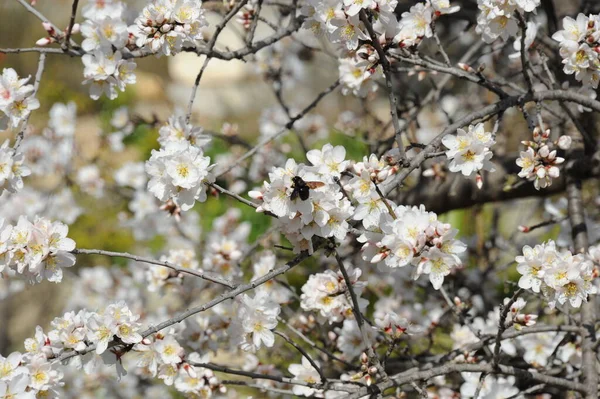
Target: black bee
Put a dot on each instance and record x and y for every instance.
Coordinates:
(300, 188)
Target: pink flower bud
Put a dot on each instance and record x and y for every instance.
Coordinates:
(564, 142)
(364, 358)
(466, 67)
(546, 134)
(523, 229)
(479, 181)
(44, 41)
(544, 151)
(48, 27)
(331, 335)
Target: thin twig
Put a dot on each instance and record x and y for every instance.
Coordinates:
(387, 71)
(195, 273)
(304, 353)
(210, 46)
(67, 43)
(36, 86)
(373, 357)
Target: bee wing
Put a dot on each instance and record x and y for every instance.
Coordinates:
(314, 184)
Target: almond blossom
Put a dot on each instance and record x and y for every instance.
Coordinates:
(178, 172)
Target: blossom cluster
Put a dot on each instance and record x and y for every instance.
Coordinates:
(579, 45)
(163, 357)
(539, 163)
(256, 317)
(38, 250)
(35, 373)
(328, 294)
(12, 169)
(106, 68)
(341, 23)
(179, 172)
(16, 99)
(340, 20)
(323, 213)
(147, 219)
(368, 173)
(559, 275)
(498, 19)
(165, 26)
(469, 152)
(413, 236)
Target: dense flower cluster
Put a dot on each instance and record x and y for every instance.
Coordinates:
(178, 172)
(413, 236)
(106, 73)
(340, 22)
(328, 294)
(165, 26)
(16, 99)
(559, 275)
(163, 357)
(371, 171)
(539, 163)
(323, 213)
(106, 37)
(38, 250)
(579, 45)
(497, 18)
(469, 152)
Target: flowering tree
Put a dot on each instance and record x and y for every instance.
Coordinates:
(360, 286)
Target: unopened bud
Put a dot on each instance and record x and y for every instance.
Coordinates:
(364, 358)
(457, 301)
(541, 173)
(523, 229)
(546, 134)
(48, 27)
(564, 142)
(332, 336)
(373, 370)
(553, 172)
(544, 151)
(76, 28)
(44, 41)
(466, 67)
(479, 181)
